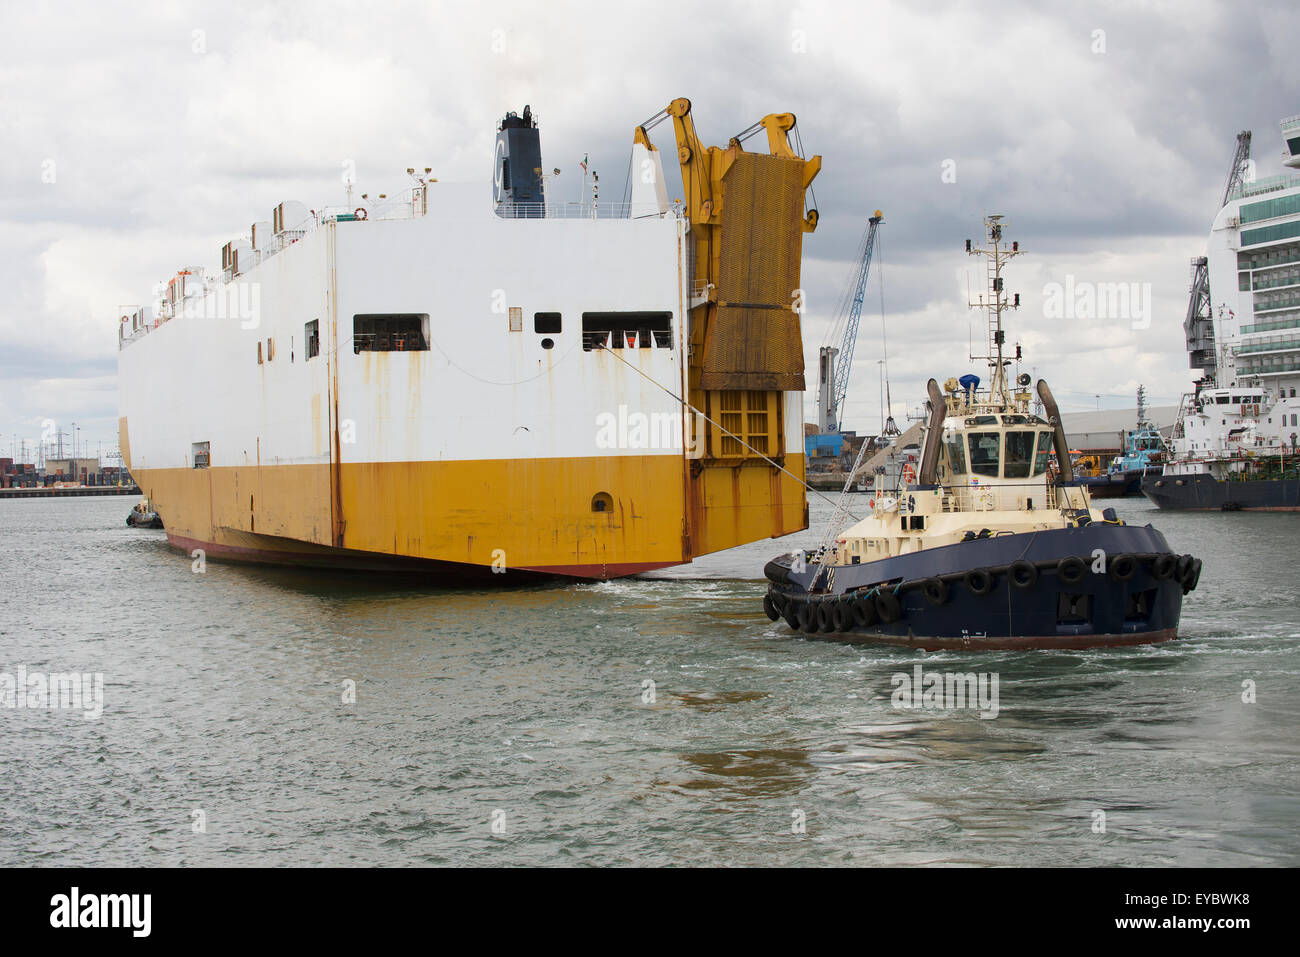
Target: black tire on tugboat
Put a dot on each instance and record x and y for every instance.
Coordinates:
(791, 617)
(769, 608)
(1071, 570)
(807, 618)
(935, 590)
(864, 611)
(979, 581)
(842, 615)
(1193, 576)
(1023, 574)
(1164, 566)
(825, 616)
(1123, 567)
(888, 608)
(1184, 567)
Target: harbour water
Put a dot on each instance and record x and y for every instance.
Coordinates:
(659, 720)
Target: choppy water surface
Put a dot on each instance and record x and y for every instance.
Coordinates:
(224, 694)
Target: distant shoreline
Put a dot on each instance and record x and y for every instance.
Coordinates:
(43, 492)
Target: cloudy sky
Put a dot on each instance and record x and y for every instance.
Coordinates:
(140, 138)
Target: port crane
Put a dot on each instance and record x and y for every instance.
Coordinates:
(1198, 326)
(835, 364)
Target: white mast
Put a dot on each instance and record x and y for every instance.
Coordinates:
(993, 306)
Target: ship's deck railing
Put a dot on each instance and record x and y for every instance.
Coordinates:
(986, 498)
(1265, 184)
(579, 211)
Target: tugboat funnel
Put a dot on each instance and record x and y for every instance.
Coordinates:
(1058, 438)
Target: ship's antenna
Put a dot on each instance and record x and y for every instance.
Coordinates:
(996, 303)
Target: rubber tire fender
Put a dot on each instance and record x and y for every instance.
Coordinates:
(1184, 567)
(1193, 576)
(807, 619)
(1023, 573)
(935, 591)
(979, 581)
(888, 608)
(1123, 567)
(842, 616)
(864, 611)
(1164, 566)
(1071, 570)
(825, 620)
(769, 608)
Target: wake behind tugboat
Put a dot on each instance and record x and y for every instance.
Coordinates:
(989, 545)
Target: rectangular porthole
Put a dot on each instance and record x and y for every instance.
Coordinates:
(201, 455)
(618, 330)
(546, 323)
(390, 332)
(311, 335)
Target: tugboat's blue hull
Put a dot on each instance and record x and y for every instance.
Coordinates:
(1029, 590)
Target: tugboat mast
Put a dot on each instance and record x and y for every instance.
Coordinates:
(994, 304)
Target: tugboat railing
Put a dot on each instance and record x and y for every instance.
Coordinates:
(986, 498)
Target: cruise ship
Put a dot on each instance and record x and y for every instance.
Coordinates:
(1237, 437)
(466, 380)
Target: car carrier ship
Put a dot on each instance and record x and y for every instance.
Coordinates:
(428, 382)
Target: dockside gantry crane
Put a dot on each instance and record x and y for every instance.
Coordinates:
(835, 364)
(1198, 325)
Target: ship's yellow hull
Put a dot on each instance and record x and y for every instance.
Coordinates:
(532, 515)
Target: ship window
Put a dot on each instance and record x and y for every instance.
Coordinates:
(201, 453)
(984, 453)
(618, 330)
(1020, 453)
(956, 451)
(1221, 399)
(407, 332)
(546, 322)
(311, 334)
(602, 502)
(1044, 452)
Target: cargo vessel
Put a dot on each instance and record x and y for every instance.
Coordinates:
(991, 542)
(470, 380)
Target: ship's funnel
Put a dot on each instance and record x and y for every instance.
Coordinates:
(517, 179)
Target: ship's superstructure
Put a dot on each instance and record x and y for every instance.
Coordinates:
(475, 379)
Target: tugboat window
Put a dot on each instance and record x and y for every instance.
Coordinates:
(1020, 453)
(956, 452)
(1044, 452)
(984, 447)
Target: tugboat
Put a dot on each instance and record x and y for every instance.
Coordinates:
(1143, 457)
(991, 543)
